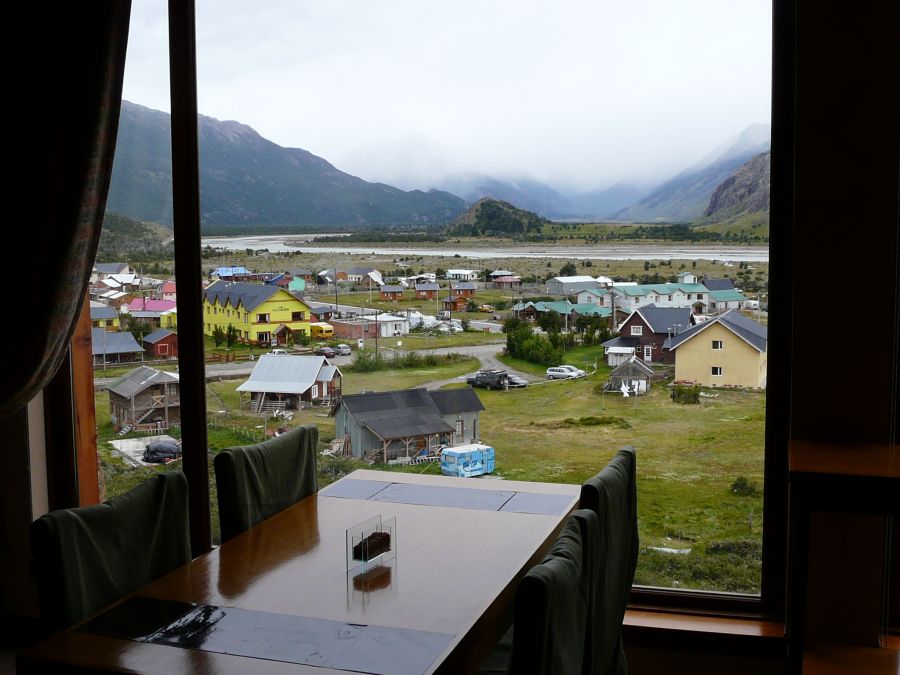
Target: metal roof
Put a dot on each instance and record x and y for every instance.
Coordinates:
(391, 289)
(501, 273)
(157, 335)
(105, 342)
(103, 312)
(248, 295)
(591, 309)
(727, 295)
(110, 268)
(452, 401)
(287, 374)
(135, 381)
(574, 279)
(748, 330)
(623, 342)
(631, 365)
(427, 287)
(463, 286)
(665, 319)
(409, 412)
(718, 284)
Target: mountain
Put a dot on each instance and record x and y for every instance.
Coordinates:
(686, 196)
(746, 191)
(523, 193)
(492, 217)
(603, 203)
(247, 181)
(123, 237)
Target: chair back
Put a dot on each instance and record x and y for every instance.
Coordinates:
(612, 495)
(550, 612)
(87, 557)
(254, 482)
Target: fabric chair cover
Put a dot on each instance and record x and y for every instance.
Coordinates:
(551, 609)
(87, 557)
(612, 495)
(255, 482)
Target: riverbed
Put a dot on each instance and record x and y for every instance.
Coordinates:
(675, 251)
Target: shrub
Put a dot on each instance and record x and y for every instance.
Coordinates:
(686, 394)
(743, 487)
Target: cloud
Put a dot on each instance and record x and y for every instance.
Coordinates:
(577, 93)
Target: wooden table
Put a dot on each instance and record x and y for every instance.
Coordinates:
(462, 546)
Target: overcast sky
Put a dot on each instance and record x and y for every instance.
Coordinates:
(578, 94)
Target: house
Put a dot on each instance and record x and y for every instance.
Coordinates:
(162, 343)
(728, 350)
(647, 329)
(497, 274)
(629, 297)
(598, 296)
(321, 312)
(120, 347)
(103, 316)
(368, 276)
(301, 273)
(386, 425)
(454, 303)
(145, 399)
(571, 285)
(687, 278)
(465, 289)
(531, 310)
(721, 301)
(463, 275)
(362, 327)
(391, 293)
(297, 285)
(103, 270)
(239, 273)
(507, 282)
(261, 314)
(427, 291)
(631, 377)
(167, 291)
(144, 304)
(286, 382)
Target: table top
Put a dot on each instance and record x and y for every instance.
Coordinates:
(461, 546)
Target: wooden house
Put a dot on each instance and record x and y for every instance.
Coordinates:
(145, 399)
(391, 293)
(287, 382)
(427, 291)
(162, 344)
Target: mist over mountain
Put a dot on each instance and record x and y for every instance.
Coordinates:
(686, 196)
(248, 181)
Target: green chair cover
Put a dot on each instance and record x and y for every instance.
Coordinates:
(612, 495)
(87, 557)
(551, 609)
(255, 482)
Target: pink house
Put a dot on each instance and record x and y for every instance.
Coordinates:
(150, 305)
(167, 291)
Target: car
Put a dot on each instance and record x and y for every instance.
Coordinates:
(489, 379)
(576, 372)
(278, 352)
(514, 381)
(327, 352)
(342, 350)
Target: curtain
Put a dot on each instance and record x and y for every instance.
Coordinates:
(65, 63)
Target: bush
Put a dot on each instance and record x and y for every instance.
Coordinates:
(686, 394)
(743, 487)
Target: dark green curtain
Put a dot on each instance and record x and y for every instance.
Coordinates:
(65, 63)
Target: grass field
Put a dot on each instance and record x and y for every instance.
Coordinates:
(689, 458)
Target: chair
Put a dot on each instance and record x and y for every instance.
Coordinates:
(612, 495)
(87, 557)
(552, 604)
(255, 482)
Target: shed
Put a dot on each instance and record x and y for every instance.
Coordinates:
(145, 399)
(632, 376)
(286, 382)
(110, 347)
(162, 343)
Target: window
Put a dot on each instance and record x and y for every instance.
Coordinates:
(716, 371)
(262, 318)
(717, 344)
(298, 316)
(637, 330)
(264, 337)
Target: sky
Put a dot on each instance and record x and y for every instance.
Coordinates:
(576, 94)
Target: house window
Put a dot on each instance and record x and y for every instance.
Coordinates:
(717, 344)
(637, 330)
(716, 371)
(264, 337)
(460, 429)
(298, 316)
(262, 318)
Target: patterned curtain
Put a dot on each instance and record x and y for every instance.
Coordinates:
(65, 62)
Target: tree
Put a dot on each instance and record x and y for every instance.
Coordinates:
(551, 322)
(568, 270)
(231, 336)
(218, 336)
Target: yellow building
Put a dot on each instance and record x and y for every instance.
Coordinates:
(105, 317)
(727, 351)
(261, 314)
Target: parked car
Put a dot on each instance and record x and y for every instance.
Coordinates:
(564, 373)
(327, 352)
(342, 350)
(489, 379)
(577, 372)
(278, 351)
(514, 381)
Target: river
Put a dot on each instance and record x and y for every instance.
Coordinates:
(675, 251)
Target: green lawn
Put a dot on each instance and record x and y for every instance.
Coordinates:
(467, 339)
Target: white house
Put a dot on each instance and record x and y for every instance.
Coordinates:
(628, 298)
(594, 296)
(463, 275)
(570, 285)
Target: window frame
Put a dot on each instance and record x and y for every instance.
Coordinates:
(186, 217)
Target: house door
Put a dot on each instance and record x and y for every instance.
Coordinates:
(648, 352)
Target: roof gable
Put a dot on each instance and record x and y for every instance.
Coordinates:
(288, 374)
(665, 319)
(139, 379)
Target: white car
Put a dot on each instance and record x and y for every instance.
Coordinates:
(576, 372)
(342, 350)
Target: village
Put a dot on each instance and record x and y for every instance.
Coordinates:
(393, 371)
